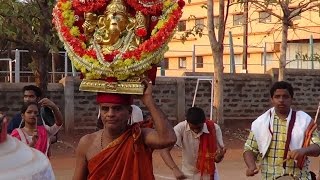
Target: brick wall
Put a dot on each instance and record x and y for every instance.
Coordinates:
(11, 96)
(245, 96)
(85, 108)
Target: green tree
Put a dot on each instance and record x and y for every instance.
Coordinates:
(27, 23)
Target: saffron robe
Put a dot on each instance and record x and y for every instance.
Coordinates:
(127, 157)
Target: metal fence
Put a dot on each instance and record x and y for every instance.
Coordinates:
(16, 66)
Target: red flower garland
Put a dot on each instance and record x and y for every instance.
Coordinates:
(109, 57)
(155, 41)
(141, 32)
(159, 39)
(89, 6)
(152, 10)
(181, 3)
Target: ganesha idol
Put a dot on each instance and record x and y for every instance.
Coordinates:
(116, 43)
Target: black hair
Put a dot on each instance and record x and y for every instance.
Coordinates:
(33, 88)
(281, 85)
(195, 115)
(26, 105)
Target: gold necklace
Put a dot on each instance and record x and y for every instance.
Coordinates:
(115, 46)
(101, 139)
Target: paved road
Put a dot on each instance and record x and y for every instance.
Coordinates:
(232, 167)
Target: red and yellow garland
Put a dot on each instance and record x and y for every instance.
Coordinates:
(149, 10)
(131, 63)
(89, 6)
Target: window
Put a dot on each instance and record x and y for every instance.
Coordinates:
(238, 59)
(269, 58)
(276, 46)
(216, 22)
(199, 23)
(238, 19)
(182, 25)
(199, 62)
(182, 62)
(264, 17)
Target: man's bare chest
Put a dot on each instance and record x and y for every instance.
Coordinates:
(95, 148)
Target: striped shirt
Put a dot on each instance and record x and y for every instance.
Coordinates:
(272, 163)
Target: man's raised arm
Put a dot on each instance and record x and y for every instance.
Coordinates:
(163, 136)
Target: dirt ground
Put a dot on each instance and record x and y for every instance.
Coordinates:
(232, 167)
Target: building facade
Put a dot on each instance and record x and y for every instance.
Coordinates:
(263, 40)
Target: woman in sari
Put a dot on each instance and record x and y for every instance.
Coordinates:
(31, 134)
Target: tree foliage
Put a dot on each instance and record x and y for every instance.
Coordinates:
(306, 57)
(289, 10)
(27, 23)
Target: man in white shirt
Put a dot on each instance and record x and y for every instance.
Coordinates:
(192, 135)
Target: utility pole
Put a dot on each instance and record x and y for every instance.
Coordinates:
(311, 51)
(245, 38)
(232, 63)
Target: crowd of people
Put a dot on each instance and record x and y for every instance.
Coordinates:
(117, 46)
(27, 138)
(123, 144)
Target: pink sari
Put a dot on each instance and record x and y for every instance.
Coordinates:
(42, 143)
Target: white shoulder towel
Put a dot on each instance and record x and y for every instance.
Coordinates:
(21, 162)
(263, 136)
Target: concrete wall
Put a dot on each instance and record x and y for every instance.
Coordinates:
(245, 97)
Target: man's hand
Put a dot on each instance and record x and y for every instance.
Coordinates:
(35, 138)
(219, 155)
(48, 103)
(296, 154)
(250, 160)
(178, 173)
(252, 171)
(55, 109)
(147, 95)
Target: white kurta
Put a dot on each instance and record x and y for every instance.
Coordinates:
(189, 142)
(20, 162)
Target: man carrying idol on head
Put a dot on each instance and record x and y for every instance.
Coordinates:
(117, 45)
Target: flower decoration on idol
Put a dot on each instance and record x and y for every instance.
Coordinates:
(116, 39)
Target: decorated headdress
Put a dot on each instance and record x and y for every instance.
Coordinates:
(116, 6)
(135, 52)
(125, 99)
